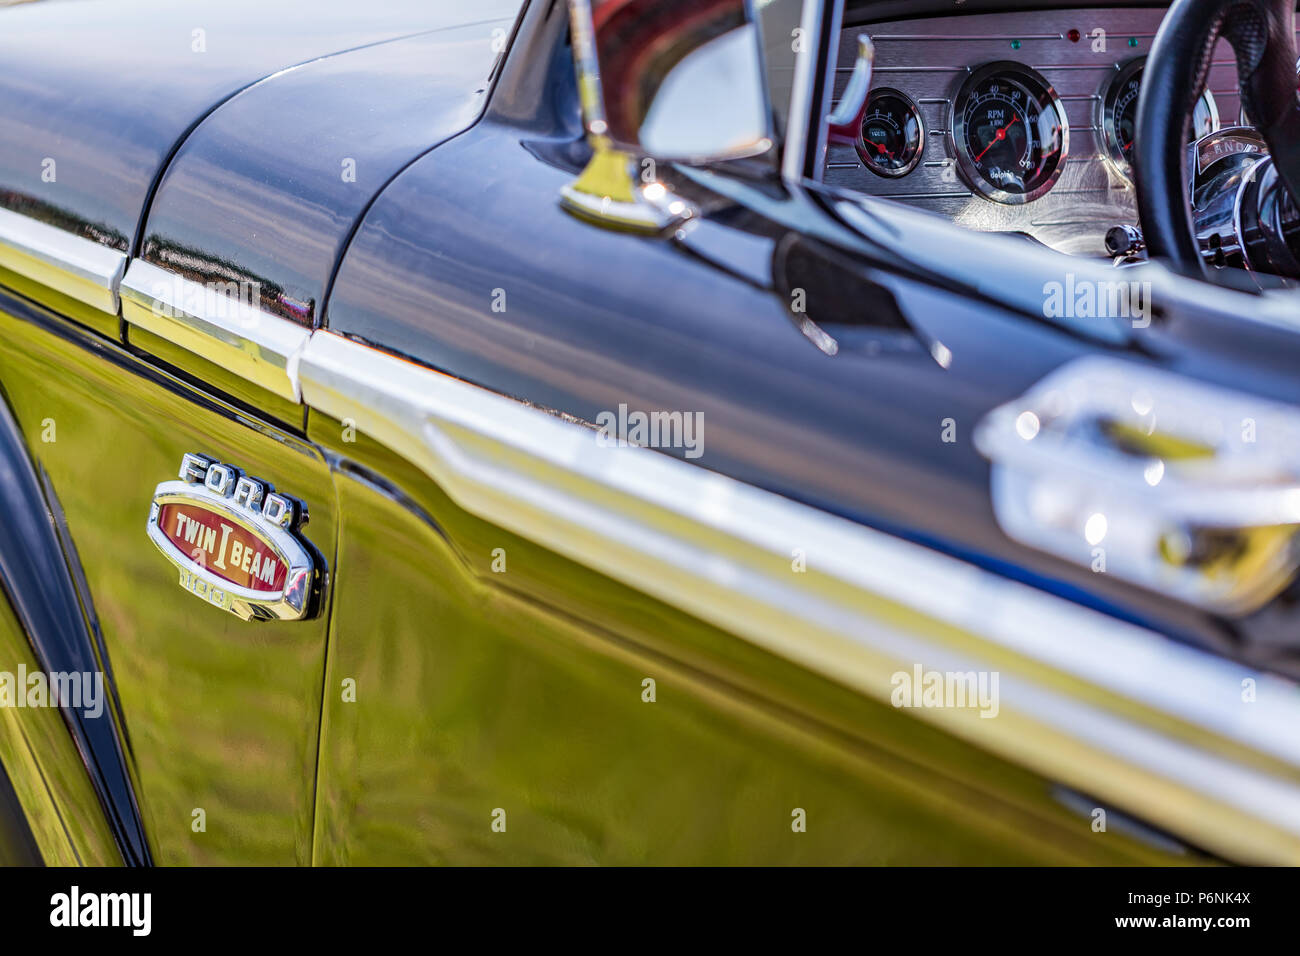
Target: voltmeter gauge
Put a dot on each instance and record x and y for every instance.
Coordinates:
(893, 135)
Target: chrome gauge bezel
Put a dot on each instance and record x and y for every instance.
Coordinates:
(957, 145)
(1112, 151)
(910, 103)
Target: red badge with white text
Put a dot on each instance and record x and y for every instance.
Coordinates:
(235, 541)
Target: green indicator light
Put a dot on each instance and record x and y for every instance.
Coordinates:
(1015, 44)
(1132, 41)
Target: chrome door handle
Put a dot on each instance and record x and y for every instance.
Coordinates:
(1181, 487)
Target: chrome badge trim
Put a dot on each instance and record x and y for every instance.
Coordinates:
(241, 504)
(1109, 708)
(255, 345)
(77, 267)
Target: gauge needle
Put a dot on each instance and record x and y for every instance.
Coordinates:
(880, 148)
(1002, 134)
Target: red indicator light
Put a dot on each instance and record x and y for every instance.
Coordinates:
(1074, 36)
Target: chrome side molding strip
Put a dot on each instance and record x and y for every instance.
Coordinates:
(1110, 709)
(226, 330)
(79, 268)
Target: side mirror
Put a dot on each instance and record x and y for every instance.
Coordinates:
(678, 79)
(675, 80)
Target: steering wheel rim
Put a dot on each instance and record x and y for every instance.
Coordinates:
(1262, 34)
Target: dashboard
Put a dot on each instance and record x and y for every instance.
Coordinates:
(1016, 122)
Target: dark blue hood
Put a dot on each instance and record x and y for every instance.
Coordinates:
(95, 96)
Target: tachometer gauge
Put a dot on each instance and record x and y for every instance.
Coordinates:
(1009, 131)
(1119, 116)
(893, 135)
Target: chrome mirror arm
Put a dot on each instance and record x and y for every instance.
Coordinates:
(609, 192)
(845, 123)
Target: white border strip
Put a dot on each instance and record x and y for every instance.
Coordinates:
(77, 267)
(248, 342)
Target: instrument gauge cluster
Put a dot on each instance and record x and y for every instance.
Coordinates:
(1010, 118)
(1010, 135)
(1008, 132)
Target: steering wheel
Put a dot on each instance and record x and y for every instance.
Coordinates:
(1262, 34)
